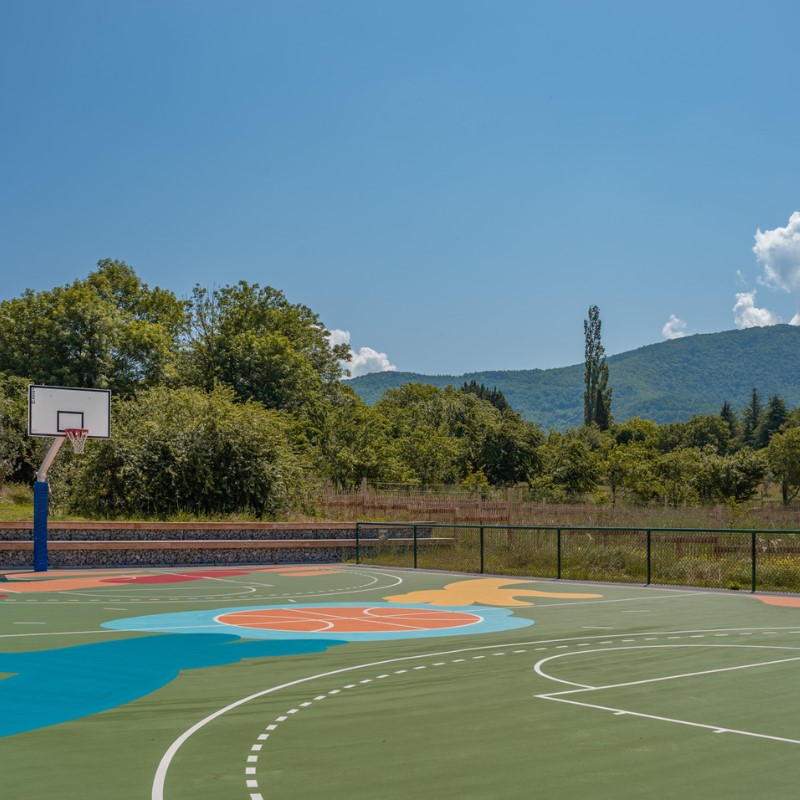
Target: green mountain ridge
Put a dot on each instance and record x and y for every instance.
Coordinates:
(665, 382)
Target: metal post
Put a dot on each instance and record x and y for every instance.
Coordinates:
(358, 553)
(558, 554)
(649, 558)
(482, 549)
(753, 561)
(415, 546)
(41, 499)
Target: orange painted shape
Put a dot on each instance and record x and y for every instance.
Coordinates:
(787, 602)
(57, 585)
(486, 591)
(348, 620)
(301, 571)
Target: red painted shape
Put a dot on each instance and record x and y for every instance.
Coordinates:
(359, 619)
(178, 577)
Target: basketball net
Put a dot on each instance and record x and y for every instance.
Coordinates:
(77, 438)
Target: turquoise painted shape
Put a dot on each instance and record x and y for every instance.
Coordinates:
(49, 687)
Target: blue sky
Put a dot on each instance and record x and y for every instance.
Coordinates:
(451, 183)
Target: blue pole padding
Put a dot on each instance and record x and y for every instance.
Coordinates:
(41, 498)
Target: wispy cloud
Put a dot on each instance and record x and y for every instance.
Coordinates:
(364, 360)
(747, 315)
(674, 328)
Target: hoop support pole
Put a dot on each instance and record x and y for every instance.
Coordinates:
(41, 502)
(41, 499)
(41, 475)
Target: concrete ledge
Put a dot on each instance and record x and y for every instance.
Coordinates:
(220, 544)
(185, 526)
(129, 544)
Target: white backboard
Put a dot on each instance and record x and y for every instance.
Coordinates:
(53, 409)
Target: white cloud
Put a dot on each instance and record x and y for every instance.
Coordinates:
(795, 320)
(778, 251)
(747, 315)
(674, 328)
(364, 361)
(367, 360)
(338, 337)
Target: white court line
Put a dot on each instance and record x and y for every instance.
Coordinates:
(623, 712)
(159, 779)
(586, 688)
(560, 697)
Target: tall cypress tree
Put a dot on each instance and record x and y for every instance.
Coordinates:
(597, 392)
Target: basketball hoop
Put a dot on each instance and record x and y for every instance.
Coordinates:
(77, 438)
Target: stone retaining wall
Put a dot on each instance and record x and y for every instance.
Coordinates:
(108, 544)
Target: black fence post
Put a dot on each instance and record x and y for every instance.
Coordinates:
(649, 556)
(558, 554)
(415, 546)
(358, 554)
(482, 545)
(752, 561)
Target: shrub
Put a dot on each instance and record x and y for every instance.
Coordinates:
(185, 450)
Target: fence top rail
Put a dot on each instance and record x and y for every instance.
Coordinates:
(596, 528)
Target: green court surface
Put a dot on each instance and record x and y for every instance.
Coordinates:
(357, 682)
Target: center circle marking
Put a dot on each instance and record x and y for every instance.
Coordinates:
(352, 619)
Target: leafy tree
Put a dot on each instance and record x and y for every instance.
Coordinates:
(265, 348)
(630, 469)
(510, 452)
(569, 468)
(440, 435)
(185, 450)
(737, 476)
(794, 418)
(354, 443)
(108, 331)
(597, 392)
(20, 454)
(783, 454)
(677, 471)
(706, 431)
(642, 431)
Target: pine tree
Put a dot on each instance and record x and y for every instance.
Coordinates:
(597, 392)
(773, 420)
(729, 417)
(752, 419)
(493, 395)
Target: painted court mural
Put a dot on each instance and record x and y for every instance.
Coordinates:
(48, 687)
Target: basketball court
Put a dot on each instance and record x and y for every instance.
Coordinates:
(359, 682)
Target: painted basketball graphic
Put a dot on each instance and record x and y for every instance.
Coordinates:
(355, 619)
(344, 622)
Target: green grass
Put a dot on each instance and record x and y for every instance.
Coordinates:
(16, 503)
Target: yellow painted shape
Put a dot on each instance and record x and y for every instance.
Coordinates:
(485, 591)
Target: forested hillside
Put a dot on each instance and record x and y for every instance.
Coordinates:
(665, 382)
(231, 401)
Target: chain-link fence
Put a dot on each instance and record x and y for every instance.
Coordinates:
(723, 559)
